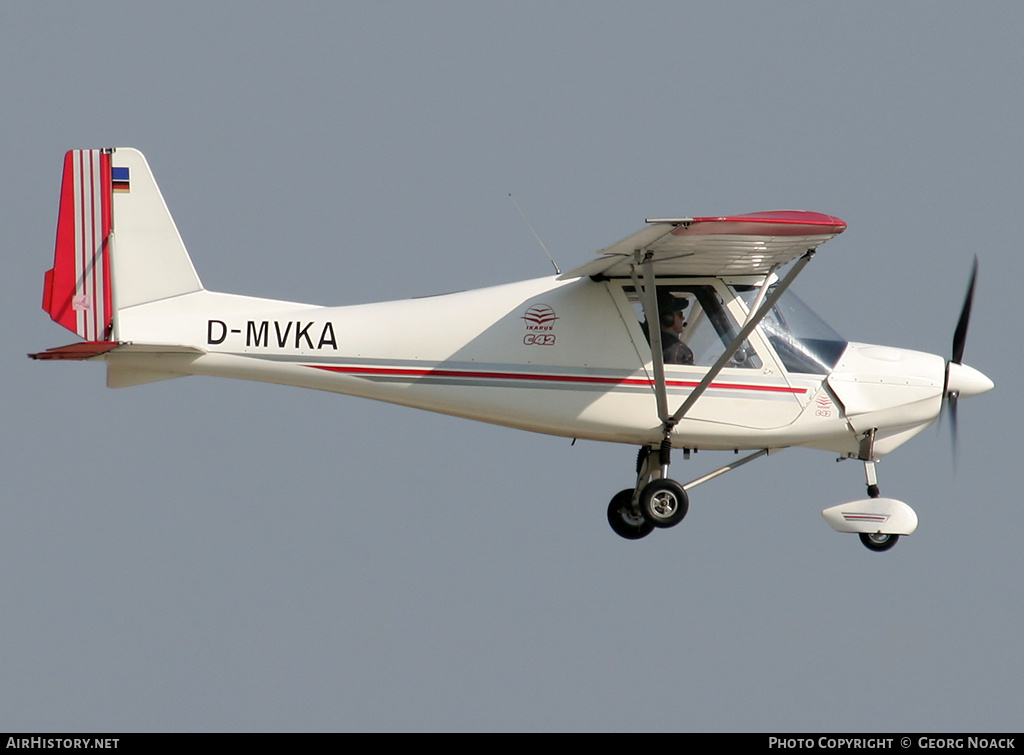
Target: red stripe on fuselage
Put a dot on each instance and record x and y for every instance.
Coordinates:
(543, 377)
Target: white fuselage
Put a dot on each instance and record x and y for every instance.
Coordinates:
(567, 358)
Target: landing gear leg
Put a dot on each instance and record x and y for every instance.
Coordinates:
(871, 479)
(875, 541)
(655, 500)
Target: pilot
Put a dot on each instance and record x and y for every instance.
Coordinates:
(670, 315)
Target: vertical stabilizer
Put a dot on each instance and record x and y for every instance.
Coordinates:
(117, 245)
(149, 259)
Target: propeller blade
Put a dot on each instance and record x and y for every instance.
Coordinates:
(960, 334)
(959, 377)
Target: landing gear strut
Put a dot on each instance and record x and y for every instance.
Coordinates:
(657, 501)
(874, 541)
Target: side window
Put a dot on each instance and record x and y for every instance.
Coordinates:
(695, 327)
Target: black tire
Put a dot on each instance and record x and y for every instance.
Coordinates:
(624, 520)
(664, 503)
(878, 542)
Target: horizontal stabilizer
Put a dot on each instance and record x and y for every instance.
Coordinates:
(77, 351)
(90, 349)
(121, 375)
(123, 368)
(140, 363)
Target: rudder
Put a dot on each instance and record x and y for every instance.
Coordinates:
(76, 291)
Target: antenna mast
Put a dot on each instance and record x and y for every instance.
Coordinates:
(553, 264)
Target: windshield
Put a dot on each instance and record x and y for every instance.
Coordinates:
(804, 342)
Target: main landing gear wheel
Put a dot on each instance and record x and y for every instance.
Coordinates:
(876, 541)
(625, 520)
(663, 502)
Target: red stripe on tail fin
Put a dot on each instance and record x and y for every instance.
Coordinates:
(76, 292)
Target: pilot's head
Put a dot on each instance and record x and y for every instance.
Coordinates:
(670, 311)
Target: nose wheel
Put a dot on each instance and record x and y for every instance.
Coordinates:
(876, 541)
(878, 522)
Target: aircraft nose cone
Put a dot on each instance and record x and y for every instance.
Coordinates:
(966, 381)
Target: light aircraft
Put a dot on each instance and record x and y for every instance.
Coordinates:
(680, 336)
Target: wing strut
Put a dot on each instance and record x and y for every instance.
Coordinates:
(644, 258)
(651, 314)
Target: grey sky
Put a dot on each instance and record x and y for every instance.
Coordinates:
(214, 555)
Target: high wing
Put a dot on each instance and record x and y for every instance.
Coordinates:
(754, 244)
(750, 244)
